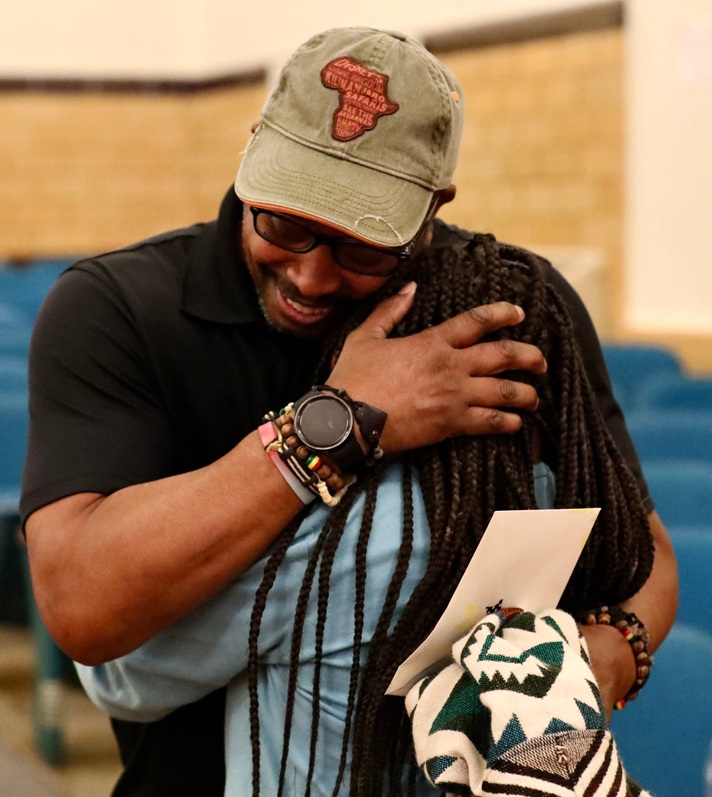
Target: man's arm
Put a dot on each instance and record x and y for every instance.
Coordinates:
(208, 647)
(192, 657)
(110, 571)
(655, 604)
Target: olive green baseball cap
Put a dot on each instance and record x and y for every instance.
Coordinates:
(361, 129)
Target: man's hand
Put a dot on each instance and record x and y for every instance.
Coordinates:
(441, 382)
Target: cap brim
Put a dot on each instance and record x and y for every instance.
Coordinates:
(368, 204)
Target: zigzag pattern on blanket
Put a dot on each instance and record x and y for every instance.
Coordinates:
(517, 712)
(507, 683)
(575, 763)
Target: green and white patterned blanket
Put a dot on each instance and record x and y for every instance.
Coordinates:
(518, 712)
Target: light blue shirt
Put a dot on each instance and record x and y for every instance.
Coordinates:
(208, 649)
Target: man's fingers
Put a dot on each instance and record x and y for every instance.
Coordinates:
(496, 356)
(470, 326)
(485, 420)
(492, 392)
(490, 400)
(388, 313)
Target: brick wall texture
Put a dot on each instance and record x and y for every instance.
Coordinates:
(541, 161)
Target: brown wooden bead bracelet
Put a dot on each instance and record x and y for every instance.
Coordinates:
(635, 634)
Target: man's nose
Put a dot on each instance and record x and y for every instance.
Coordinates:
(315, 273)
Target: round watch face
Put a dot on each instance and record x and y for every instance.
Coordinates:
(323, 422)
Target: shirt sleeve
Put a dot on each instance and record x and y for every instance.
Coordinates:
(179, 665)
(91, 392)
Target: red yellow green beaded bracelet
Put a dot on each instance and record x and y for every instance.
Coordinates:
(311, 471)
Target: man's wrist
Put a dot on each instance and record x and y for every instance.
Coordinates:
(346, 431)
(611, 662)
(636, 636)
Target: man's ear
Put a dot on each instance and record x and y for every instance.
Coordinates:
(444, 196)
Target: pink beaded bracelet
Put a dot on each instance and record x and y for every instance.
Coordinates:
(268, 435)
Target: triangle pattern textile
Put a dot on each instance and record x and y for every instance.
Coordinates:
(514, 682)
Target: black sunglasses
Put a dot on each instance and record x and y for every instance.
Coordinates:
(361, 258)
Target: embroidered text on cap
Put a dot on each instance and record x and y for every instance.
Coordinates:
(363, 97)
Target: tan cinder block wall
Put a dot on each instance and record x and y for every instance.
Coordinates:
(541, 165)
(85, 172)
(542, 160)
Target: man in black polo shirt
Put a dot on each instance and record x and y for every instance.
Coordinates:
(147, 487)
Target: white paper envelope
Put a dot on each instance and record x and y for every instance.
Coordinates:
(525, 559)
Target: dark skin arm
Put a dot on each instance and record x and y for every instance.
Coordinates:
(655, 604)
(110, 571)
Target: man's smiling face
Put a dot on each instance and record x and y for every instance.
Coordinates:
(302, 294)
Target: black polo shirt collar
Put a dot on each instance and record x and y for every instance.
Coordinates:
(217, 286)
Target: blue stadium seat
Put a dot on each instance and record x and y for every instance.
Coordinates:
(14, 419)
(10, 315)
(15, 339)
(677, 392)
(50, 661)
(13, 372)
(664, 735)
(681, 491)
(693, 549)
(23, 287)
(661, 435)
(631, 365)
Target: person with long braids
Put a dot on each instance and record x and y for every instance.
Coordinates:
(309, 638)
(169, 504)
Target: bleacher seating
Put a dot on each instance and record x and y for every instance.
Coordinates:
(24, 287)
(678, 392)
(682, 492)
(13, 440)
(665, 734)
(632, 366)
(693, 548)
(22, 290)
(15, 339)
(13, 372)
(665, 436)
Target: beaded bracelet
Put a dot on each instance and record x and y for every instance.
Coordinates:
(635, 634)
(268, 435)
(310, 470)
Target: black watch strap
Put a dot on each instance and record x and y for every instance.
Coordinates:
(370, 421)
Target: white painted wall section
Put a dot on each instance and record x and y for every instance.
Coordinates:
(183, 39)
(669, 160)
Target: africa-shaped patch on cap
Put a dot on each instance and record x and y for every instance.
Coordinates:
(363, 97)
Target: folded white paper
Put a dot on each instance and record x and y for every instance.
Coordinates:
(524, 560)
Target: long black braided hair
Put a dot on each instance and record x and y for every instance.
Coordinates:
(463, 480)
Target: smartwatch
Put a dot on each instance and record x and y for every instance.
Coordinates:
(326, 423)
